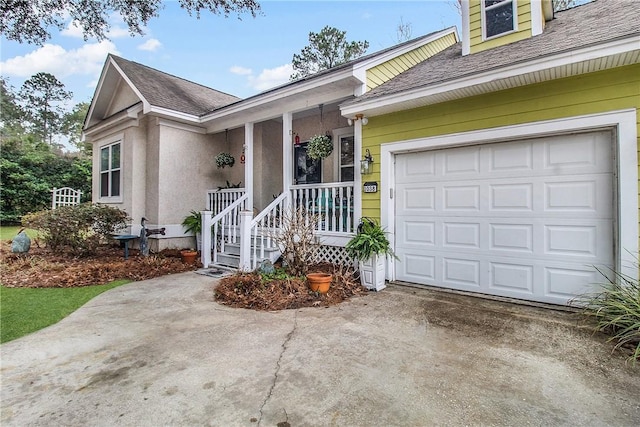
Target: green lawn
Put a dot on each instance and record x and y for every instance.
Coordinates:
(26, 310)
(8, 232)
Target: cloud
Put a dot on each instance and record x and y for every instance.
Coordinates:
(241, 71)
(54, 59)
(150, 45)
(272, 77)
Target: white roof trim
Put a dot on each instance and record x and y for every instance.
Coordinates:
(167, 112)
(278, 94)
(130, 116)
(628, 44)
(145, 103)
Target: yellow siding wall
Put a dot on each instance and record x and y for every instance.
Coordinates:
(388, 70)
(594, 93)
(475, 27)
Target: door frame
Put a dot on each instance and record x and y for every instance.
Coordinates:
(625, 168)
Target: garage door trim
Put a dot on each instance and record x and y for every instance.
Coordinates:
(626, 167)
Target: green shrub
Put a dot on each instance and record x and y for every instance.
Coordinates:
(78, 229)
(616, 310)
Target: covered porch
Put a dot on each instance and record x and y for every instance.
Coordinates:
(279, 176)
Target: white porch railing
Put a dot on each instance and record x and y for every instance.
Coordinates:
(218, 200)
(261, 231)
(333, 202)
(221, 229)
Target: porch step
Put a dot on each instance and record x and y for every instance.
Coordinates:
(231, 255)
(234, 249)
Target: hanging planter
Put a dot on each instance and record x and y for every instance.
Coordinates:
(319, 147)
(225, 159)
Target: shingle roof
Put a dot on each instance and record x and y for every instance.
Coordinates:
(589, 24)
(167, 91)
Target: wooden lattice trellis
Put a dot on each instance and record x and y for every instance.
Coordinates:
(333, 254)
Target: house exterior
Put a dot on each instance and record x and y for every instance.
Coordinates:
(508, 163)
(155, 138)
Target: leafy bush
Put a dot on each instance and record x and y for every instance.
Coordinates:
(370, 240)
(79, 229)
(617, 311)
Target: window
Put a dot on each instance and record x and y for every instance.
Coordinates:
(110, 167)
(499, 17)
(346, 158)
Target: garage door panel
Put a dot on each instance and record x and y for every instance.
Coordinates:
(511, 157)
(510, 197)
(417, 198)
(578, 153)
(461, 271)
(419, 268)
(461, 198)
(565, 283)
(417, 167)
(461, 161)
(416, 232)
(525, 219)
(511, 277)
(461, 235)
(590, 195)
(511, 237)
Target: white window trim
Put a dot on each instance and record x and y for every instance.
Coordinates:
(337, 134)
(113, 140)
(483, 20)
(626, 168)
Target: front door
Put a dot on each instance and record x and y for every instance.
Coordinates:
(306, 170)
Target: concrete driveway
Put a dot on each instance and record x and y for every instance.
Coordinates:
(162, 352)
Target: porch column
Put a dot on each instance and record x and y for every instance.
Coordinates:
(248, 164)
(357, 176)
(287, 153)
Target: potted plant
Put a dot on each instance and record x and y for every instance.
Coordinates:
(319, 147)
(225, 159)
(189, 256)
(370, 247)
(192, 223)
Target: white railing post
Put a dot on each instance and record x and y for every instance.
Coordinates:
(245, 240)
(207, 247)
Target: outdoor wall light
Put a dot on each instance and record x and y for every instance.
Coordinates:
(366, 164)
(356, 118)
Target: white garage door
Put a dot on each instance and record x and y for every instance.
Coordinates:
(526, 219)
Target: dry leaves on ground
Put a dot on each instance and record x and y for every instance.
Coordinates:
(43, 269)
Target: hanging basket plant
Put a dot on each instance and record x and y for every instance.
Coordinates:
(225, 159)
(319, 147)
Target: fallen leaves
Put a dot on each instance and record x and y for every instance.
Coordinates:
(42, 269)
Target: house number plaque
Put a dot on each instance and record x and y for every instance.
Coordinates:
(371, 187)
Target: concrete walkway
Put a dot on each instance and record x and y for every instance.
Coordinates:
(162, 352)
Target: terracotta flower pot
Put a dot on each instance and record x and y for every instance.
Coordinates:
(319, 282)
(189, 257)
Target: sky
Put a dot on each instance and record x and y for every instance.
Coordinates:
(239, 57)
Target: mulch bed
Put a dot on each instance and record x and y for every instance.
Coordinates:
(41, 268)
(248, 290)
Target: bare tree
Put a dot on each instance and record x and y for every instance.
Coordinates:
(403, 31)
